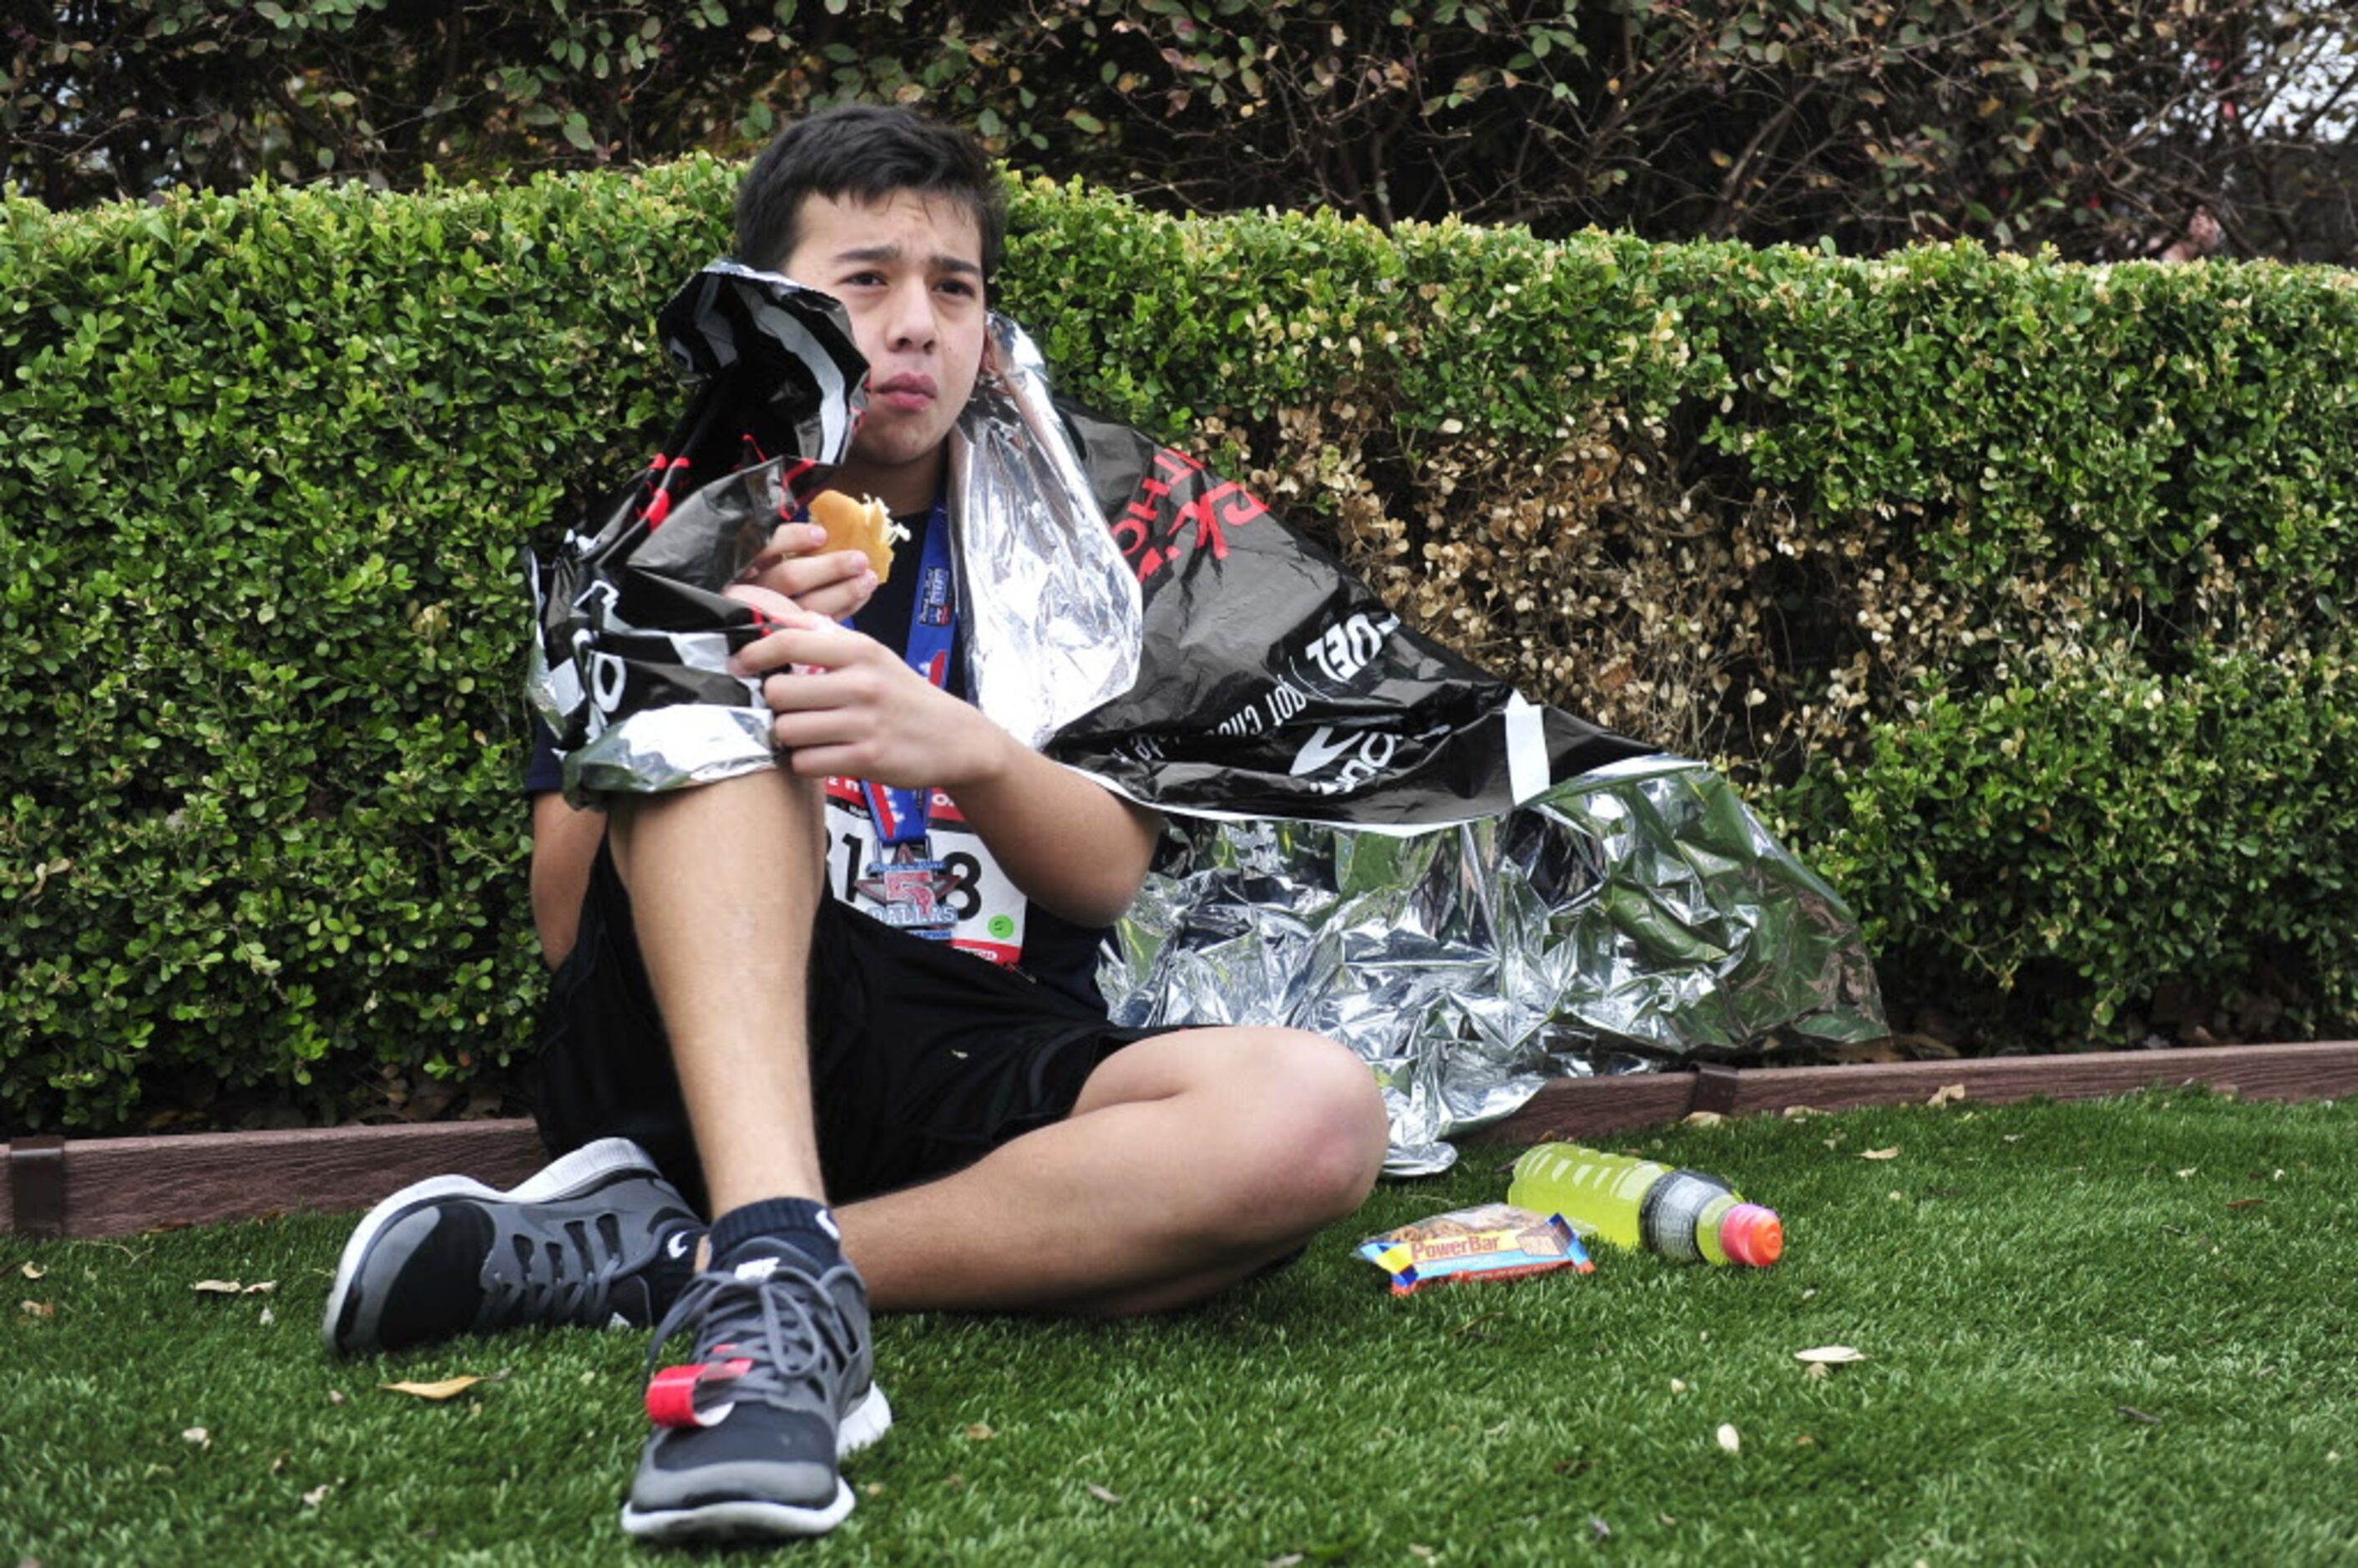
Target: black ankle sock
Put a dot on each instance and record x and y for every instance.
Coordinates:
(800, 1223)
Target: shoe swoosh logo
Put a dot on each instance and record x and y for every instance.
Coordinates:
(678, 1245)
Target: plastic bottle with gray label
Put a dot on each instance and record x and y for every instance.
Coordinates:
(1629, 1202)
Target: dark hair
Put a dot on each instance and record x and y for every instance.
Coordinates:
(869, 152)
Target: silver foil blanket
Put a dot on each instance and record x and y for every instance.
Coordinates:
(1634, 918)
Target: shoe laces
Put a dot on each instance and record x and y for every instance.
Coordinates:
(767, 1319)
(564, 1277)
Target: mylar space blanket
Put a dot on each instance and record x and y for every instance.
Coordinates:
(1370, 837)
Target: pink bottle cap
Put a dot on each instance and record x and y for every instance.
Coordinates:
(1750, 1234)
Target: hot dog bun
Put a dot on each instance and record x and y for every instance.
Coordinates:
(864, 525)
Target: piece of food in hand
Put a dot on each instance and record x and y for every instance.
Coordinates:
(864, 525)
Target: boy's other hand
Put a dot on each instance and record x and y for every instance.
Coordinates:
(846, 705)
(796, 564)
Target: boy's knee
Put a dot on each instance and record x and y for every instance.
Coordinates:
(1320, 1132)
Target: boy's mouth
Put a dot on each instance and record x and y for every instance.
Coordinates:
(910, 392)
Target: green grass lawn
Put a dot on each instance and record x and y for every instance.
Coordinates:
(2096, 1333)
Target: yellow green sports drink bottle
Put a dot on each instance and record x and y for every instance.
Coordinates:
(1682, 1215)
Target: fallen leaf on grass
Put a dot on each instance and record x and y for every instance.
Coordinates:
(198, 1435)
(1890, 1153)
(1419, 1550)
(1101, 1495)
(267, 1317)
(1803, 1440)
(1702, 1118)
(39, 1309)
(1815, 1371)
(2190, 1169)
(1599, 1529)
(1830, 1355)
(1288, 1560)
(1729, 1439)
(2139, 1416)
(448, 1389)
(979, 1432)
(278, 1465)
(32, 1271)
(318, 1494)
(335, 1396)
(217, 1287)
(1795, 1112)
(1678, 1384)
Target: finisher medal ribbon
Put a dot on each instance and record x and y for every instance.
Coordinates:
(908, 883)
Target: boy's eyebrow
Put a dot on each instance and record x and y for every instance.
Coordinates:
(942, 260)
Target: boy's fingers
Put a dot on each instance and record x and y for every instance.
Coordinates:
(796, 575)
(836, 600)
(787, 541)
(769, 602)
(803, 639)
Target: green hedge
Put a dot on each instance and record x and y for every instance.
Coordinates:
(2013, 590)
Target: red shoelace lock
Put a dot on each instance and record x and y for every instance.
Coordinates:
(671, 1393)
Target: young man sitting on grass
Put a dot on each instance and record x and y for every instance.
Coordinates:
(723, 1018)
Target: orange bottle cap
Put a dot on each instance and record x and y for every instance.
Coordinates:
(1750, 1234)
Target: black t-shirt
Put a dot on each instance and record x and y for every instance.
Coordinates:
(1049, 949)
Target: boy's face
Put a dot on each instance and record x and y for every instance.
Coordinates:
(909, 270)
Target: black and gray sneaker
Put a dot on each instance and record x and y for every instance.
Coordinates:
(748, 1434)
(587, 1240)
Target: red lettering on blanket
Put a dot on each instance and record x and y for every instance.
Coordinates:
(1175, 513)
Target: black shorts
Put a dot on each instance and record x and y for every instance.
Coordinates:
(923, 1058)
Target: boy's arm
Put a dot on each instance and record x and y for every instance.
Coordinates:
(564, 842)
(1067, 843)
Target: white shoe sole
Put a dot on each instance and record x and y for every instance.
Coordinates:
(747, 1518)
(567, 1177)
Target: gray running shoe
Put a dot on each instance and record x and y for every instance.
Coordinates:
(748, 1434)
(586, 1240)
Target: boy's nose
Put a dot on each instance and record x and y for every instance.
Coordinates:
(910, 324)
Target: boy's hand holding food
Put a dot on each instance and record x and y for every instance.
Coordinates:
(832, 563)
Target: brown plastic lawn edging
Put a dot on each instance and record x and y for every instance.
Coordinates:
(114, 1186)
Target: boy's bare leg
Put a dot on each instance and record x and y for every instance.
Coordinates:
(1190, 1162)
(724, 882)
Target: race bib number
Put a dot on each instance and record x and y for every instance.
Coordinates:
(947, 888)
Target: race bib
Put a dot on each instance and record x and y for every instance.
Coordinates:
(945, 887)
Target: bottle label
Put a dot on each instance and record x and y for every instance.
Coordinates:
(1666, 1219)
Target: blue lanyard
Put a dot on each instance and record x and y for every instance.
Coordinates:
(904, 815)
